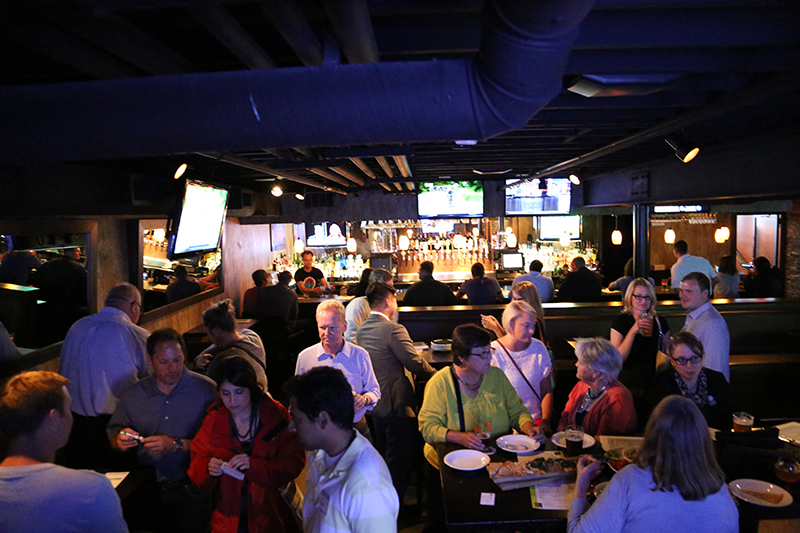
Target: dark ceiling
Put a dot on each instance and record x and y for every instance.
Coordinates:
(713, 71)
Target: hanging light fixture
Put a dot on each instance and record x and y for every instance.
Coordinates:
(669, 236)
(722, 234)
(299, 246)
(616, 235)
(351, 245)
(403, 242)
(684, 150)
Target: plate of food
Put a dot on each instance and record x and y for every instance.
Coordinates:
(760, 493)
(532, 469)
(619, 458)
(466, 460)
(558, 440)
(518, 443)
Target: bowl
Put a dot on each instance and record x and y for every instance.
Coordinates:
(441, 345)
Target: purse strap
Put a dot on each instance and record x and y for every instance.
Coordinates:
(458, 400)
(519, 370)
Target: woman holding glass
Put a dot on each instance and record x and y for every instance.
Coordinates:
(708, 389)
(245, 452)
(470, 395)
(525, 361)
(636, 333)
(675, 483)
(598, 402)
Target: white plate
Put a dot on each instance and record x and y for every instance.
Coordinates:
(517, 443)
(466, 460)
(558, 440)
(737, 485)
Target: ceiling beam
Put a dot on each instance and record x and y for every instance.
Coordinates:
(230, 33)
(352, 25)
(295, 29)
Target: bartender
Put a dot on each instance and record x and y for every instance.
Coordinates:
(310, 280)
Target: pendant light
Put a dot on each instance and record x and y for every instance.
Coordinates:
(669, 236)
(616, 235)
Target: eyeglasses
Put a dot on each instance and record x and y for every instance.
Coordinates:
(681, 361)
(487, 354)
(640, 298)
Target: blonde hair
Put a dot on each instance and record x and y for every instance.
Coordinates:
(677, 448)
(332, 306)
(513, 311)
(530, 294)
(651, 292)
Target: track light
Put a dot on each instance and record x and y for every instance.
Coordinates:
(277, 191)
(180, 170)
(575, 179)
(684, 150)
(300, 196)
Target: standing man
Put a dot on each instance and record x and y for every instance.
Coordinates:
(428, 291)
(250, 297)
(278, 301)
(543, 284)
(705, 322)
(102, 356)
(357, 311)
(354, 362)
(688, 263)
(64, 291)
(393, 357)
(580, 284)
(348, 487)
(480, 290)
(159, 416)
(310, 280)
(35, 494)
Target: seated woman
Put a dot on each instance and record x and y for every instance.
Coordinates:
(471, 392)
(525, 362)
(526, 292)
(727, 278)
(675, 484)
(637, 337)
(598, 402)
(686, 376)
(248, 430)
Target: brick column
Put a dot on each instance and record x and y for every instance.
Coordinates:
(793, 252)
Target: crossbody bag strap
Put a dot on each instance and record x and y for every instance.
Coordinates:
(252, 356)
(458, 400)
(519, 370)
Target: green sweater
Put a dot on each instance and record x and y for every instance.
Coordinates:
(496, 401)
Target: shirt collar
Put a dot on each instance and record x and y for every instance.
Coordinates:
(379, 313)
(151, 386)
(323, 355)
(699, 311)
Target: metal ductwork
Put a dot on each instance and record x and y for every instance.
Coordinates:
(525, 46)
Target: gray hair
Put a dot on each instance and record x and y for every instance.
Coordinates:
(121, 296)
(513, 310)
(332, 306)
(601, 356)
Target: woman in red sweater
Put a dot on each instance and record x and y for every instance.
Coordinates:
(246, 433)
(598, 402)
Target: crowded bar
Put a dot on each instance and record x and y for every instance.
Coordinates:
(480, 265)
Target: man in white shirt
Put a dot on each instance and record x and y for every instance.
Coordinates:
(688, 263)
(543, 284)
(354, 362)
(35, 494)
(357, 311)
(705, 322)
(102, 356)
(348, 486)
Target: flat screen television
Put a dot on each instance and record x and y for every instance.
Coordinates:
(512, 261)
(443, 225)
(553, 228)
(198, 227)
(326, 234)
(450, 199)
(529, 199)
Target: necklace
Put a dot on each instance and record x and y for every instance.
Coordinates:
(250, 427)
(588, 398)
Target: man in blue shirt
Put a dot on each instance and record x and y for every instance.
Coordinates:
(543, 284)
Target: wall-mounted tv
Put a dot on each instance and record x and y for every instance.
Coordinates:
(450, 199)
(530, 198)
(326, 234)
(437, 226)
(198, 227)
(553, 228)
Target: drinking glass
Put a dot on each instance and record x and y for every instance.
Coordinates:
(573, 437)
(742, 422)
(787, 470)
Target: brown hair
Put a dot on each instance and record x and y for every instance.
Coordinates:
(27, 398)
(677, 448)
(220, 316)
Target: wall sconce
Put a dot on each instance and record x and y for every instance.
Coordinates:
(351, 245)
(299, 246)
(616, 235)
(722, 234)
(684, 150)
(669, 236)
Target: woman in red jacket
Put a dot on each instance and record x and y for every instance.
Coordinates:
(246, 434)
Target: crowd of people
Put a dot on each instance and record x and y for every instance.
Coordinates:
(221, 453)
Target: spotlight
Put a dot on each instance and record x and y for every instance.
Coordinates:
(684, 150)
(277, 191)
(180, 170)
(299, 196)
(575, 179)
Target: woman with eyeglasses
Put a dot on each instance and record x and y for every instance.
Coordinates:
(636, 333)
(707, 388)
(468, 394)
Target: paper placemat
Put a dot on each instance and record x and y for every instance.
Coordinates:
(554, 495)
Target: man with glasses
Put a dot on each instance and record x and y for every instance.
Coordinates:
(705, 322)
(393, 356)
(102, 356)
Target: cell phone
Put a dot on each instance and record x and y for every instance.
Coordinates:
(137, 437)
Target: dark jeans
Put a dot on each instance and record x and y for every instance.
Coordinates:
(396, 439)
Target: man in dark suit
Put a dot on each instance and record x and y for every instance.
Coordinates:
(428, 291)
(581, 284)
(393, 355)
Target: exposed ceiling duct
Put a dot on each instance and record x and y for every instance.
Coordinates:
(524, 49)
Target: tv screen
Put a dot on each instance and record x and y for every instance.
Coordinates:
(437, 226)
(326, 234)
(512, 261)
(450, 199)
(530, 199)
(553, 228)
(199, 227)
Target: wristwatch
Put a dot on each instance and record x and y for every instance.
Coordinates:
(177, 444)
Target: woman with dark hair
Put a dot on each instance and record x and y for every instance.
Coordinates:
(675, 483)
(727, 278)
(469, 395)
(708, 389)
(245, 453)
(363, 283)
